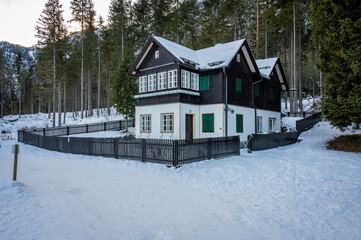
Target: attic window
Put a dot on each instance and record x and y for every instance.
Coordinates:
(215, 63)
(189, 62)
(238, 57)
(156, 54)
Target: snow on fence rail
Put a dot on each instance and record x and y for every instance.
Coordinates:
(169, 152)
(266, 141)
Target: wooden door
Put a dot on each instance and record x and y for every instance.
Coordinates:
(189, 126)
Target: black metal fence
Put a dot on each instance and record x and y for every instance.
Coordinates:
(84, 128)
(266, 141)
(307, 123)
(169, 152)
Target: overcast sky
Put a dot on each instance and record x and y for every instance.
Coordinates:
(18, 18)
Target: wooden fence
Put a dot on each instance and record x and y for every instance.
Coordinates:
(169, 152)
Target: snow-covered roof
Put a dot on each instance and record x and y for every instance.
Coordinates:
(266, 66)
(217, 56)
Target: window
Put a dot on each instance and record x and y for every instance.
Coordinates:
(238, 85)
(143, 84)
(259, 124)
(272, 125)
(145, 121)
(256, 90)
(151, 82)
(194, 81)
(239, 123)
(162, 80)
(238, 57)
(172, 79)
(185, 78)
(204, 83)
(208, 122)
(271, 94)
(166, 122)
(156, 54)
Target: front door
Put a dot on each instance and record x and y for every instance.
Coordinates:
(189, 126)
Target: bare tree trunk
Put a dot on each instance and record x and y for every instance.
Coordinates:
(295, 107)
(321, 81)
(2, 95)
(20, 100)
(49, 107)
(286, 93)
(32, 97)
(265, 37)
(90, 107)
(54, 85)
(59, 104)
(108, 92)
(65, 104)
(82, 75)
(98, 97)
(40, 101)
(291, 76)
(300, 71)
(257, 33)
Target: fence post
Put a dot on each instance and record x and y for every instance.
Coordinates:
(105, 126)
(16, 149)
(86, 128)
(144, 150)
(175, 144)
(120, 125)
(44, 131)
(209, 148)
(67, 130)
(115, 141)
(238, 145)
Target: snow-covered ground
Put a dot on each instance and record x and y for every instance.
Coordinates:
(9, 125)
(307, 104)
(300, 191)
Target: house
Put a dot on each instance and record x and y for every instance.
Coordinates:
(212, 92)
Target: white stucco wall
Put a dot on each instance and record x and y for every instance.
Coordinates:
(249, 121)
(180, 110)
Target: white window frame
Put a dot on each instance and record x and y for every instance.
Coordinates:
(166, 122)
(185, 76)
(142, 84)
(238, 57)
(272, 125)
(162, 80)
(259, 124)
(152, 82)
(156, 54)
(195, 81)
(172, 79)
(145, 123)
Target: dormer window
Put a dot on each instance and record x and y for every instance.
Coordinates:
(156, 54)
(238, 57)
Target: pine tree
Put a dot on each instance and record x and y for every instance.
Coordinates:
(124, 89)
(141, 22)
(50, 30)
(336, 29)
(79, 9)
(2, 79)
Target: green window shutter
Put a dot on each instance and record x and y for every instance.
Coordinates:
(256, 90)
(208, 123)
(204, 83)
(271, 97)
(239, 122)
(238, 85)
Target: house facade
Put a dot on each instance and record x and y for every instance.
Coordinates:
(212, 92)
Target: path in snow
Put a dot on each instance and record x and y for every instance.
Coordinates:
(300, 191)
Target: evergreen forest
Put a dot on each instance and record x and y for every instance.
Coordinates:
(318, 42)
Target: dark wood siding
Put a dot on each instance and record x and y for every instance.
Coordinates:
(240, 70)
(215, 92)
(172, 98)
(150, 60)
